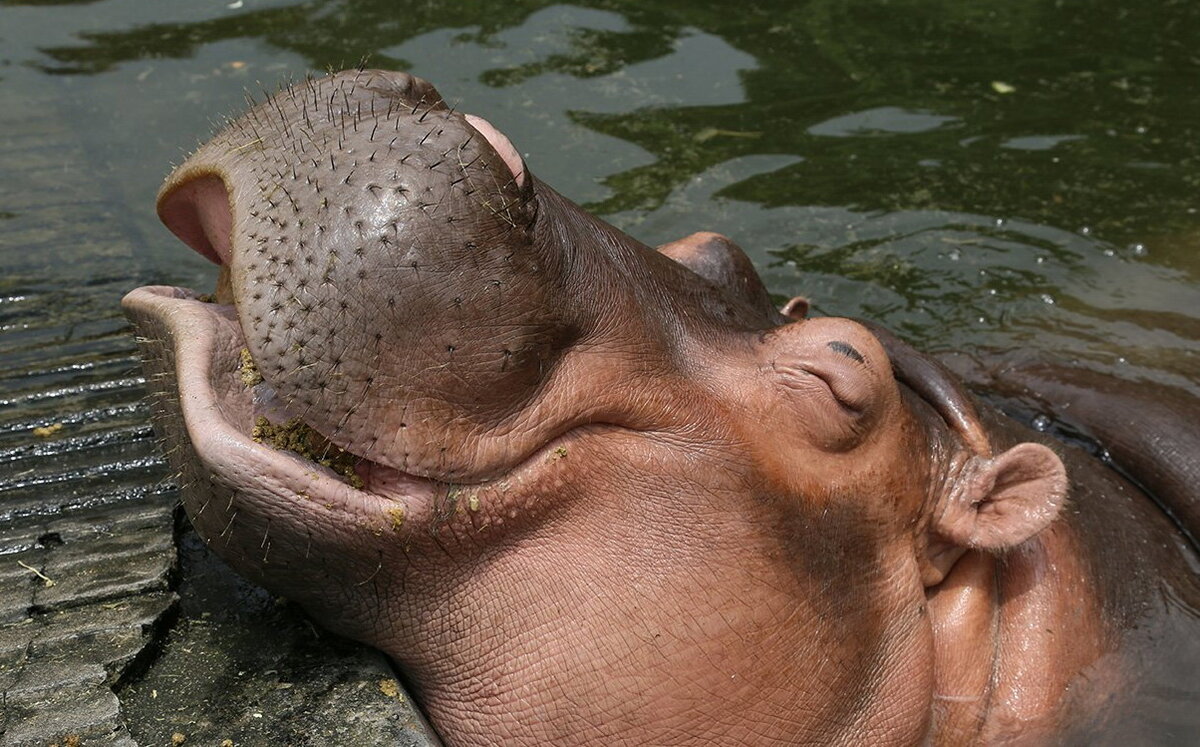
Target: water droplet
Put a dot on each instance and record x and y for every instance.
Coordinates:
(1000, 222)
(1041, 423)
(954, 255)
(991, 291)
(1140, 129)
(1105, 456)
(1085, 231)
(1138, 250)
(1122, 360)
(982, 320)
(1109, 253)
(1041, 260)
(1047, 299)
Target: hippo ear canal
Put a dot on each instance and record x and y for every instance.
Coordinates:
(1004, 500)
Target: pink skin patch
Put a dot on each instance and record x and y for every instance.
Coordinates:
(502, 146)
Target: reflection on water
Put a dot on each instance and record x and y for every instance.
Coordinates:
(882, 119)
(974, 176)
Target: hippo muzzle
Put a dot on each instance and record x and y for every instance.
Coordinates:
(572, 485)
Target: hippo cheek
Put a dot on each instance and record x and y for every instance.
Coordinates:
(384, 270)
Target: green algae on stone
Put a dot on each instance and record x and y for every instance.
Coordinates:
(297, 436)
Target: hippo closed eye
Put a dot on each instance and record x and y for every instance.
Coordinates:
(582, 491)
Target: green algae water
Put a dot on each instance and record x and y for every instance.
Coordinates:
(976, 176)
(973, 177)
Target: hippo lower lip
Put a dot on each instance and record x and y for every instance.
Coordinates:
(219, 403)
(221, 409)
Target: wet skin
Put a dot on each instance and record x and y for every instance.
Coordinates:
(608, 494)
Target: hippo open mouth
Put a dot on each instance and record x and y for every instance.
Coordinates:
(227, 400)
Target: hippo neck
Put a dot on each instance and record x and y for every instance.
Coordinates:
(1010, 635)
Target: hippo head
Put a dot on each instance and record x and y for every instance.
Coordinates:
(578, 489)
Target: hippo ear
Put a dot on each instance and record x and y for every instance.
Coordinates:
(1000, 502)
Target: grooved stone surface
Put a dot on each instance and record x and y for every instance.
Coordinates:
(108, 635)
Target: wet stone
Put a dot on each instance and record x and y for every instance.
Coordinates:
(104, 638)
(89, 715)
(242, 665)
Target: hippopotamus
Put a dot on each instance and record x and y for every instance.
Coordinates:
(585, 491)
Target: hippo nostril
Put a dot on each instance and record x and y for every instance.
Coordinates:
(501, 144)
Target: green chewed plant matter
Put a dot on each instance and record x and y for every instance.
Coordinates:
(297, 436)
(601, 493)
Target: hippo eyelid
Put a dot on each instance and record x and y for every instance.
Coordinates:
(846, 349)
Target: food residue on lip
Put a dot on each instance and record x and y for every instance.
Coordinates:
(248, 369)
(297, 436)
(397, 517)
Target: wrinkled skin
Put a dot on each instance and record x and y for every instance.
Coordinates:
(609, 494)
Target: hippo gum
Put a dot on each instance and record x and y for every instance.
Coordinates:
(606, 494)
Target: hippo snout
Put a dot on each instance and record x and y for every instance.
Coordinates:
(371, 235)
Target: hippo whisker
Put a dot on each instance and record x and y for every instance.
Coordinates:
(229, 525)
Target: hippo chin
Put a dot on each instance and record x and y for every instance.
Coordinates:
(582, 491)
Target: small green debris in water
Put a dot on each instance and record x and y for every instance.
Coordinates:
(298, 436)
(708, 133)
(559, 453)
(248, 369)
(1001, 87)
